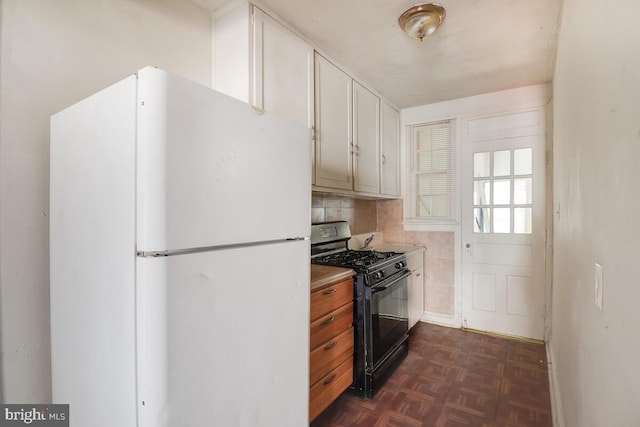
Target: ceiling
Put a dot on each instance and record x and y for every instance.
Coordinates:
(482, 46)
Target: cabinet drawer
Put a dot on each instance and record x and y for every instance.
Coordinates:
(329, 388)
(330, 325)
(330, 354)
(328, 299)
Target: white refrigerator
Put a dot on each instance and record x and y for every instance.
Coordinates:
(179, 224)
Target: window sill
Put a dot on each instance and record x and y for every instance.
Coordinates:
(411, 224)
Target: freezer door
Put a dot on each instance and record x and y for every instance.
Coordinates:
(223, 337)
(211, 171)
(92, 258)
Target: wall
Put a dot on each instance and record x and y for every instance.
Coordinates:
(595, 353)
(54, 53)
(439, 259)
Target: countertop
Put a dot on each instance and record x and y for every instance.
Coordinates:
(357, 242)
(397, 247)
(323, 275)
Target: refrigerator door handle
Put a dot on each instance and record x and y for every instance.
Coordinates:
(171, 252)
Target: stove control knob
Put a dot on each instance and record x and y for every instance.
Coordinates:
(378, 274)
(401, 264)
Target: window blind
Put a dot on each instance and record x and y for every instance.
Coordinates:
(431, 173)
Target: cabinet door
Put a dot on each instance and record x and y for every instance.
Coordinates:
(366, 140)
(230, 70)
(390, 150)
(416, 296)
(333, 166)
(282, 71)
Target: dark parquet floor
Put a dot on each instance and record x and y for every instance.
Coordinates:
(456, 378)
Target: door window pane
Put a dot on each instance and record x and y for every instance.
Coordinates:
(502, 163)
(481, 165)
(522, 220)
(522, 161)
(481, 220)
(481, 192)
(501, 220)
(502, 192)
(522, 190)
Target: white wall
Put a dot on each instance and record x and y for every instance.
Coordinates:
(54, 53)
(595, 354)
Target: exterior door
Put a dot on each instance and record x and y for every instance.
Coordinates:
(503, 235)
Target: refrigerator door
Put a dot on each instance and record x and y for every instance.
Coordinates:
(92, 257)
(223, 337)
(213, 172)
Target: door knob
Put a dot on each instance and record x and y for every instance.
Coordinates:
(468, 245)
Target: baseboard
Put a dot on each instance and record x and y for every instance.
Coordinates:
(439, 320)
(554, 391)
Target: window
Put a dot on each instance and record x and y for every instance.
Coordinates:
(503, 191)
(431, 173)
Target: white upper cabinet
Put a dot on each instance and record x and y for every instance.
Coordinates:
(366, 140)
(282, 71)
(333, 148)
(231, 34)
(357, 147)
(390, 150)
(259, 61)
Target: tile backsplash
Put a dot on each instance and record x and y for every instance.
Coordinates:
(360, 213)
(367, 216)
(439, 258)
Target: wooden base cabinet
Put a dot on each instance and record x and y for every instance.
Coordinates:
(331, 356)
(325, 391)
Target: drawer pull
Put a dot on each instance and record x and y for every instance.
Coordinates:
(329, 320)
(329, 380)
(330, 291)
(330, 346)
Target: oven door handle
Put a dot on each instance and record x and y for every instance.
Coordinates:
(390, 281)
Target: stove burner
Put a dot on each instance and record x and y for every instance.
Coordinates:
(354, 258)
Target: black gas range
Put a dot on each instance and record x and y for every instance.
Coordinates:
(381, 321)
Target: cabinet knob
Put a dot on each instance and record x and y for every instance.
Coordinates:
(330, 379)
(330, 346)
(329, 320)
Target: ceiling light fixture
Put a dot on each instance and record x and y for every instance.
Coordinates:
(422, 20)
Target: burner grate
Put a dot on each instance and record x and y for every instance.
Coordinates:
(352, 258)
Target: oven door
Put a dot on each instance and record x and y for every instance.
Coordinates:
(389, 316)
